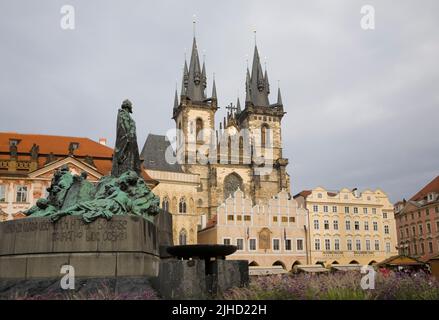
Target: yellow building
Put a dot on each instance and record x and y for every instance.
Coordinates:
(272, 234)
(349, 227)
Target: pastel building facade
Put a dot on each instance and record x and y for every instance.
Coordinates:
(417, 222)
(265, 234)
(349, 227)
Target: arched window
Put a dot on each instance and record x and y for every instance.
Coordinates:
(182, 237)
(229, 150)
(199, 128)
(182, 206)
(231, 183)
(265, 135)
(165, 204)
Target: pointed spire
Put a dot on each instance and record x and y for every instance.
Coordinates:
(238, 106)
(195, 87)
(175, 99)
(279, 97)
(214, 97)
(185, 79)
(258, 85)
(247, 88)
(267, 84)
(204, 79)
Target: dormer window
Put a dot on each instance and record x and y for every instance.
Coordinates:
(72, 147)
(430, 197)
(14, 142)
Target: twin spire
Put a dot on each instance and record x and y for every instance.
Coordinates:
(194, 82)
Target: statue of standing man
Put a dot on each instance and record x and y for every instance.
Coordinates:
(126, 153)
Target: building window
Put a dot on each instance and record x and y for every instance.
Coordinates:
(407, 232)
(239, 218)
(288, 244)
(182, 238)
(284, 219)
(182, 206)
(265, 139)
(436, 209)
(414, 231)
(335, 224)
(299, 244)
(226, 241)
(368, 245)
(386, 229)
(348, 225)
(355, 210)
(317, 244)
(319, 195)
(374, 210)
(422, 248)
(384, 215)
(420, 229)
(412, 215)
(292, 219)
(2, 193)
(375, 226)
(357, 225)
(240, 244)
(316, 224)
(334, 209)
(346, 209)
(358, 245)
(199, 129)
(366, 225)
(428, 227)
(327, 244)
(415, 247)
(365, 210)
(325, 208)
(21, 194)
(247, 218)
(274, 218)
(377, 245)
(437, 225)
(165, 204)
(252, 244)
(276, 244)
(315, 208)
(349, 245)
(419, 214)
(427, 212)
(336, 244)
(326, 224)
(230, 217)
(430, 247)
(387, 247)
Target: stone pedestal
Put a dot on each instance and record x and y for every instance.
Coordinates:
(37, 248)
(198, 279)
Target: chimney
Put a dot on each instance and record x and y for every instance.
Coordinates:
(103, 141)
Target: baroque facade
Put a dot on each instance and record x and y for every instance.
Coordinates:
(266, 234)
(244, 152)
(417, 222)
(349, 227)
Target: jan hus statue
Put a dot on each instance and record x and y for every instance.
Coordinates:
(126, 153)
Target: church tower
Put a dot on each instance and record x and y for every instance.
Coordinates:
(264, 120)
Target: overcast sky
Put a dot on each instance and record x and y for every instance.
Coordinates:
(362, 106)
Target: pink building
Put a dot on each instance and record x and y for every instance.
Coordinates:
(417, 222)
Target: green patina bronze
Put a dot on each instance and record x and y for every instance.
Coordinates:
(121, 193)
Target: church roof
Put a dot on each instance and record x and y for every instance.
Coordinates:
(154, 154)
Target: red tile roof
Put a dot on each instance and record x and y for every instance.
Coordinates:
(304, 193)
(59, 146)
(432, 186)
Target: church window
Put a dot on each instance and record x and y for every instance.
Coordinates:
(241, 150)
(265, 139)
(231, 183)
(182, 206)
(199, 128)
(182, 238)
